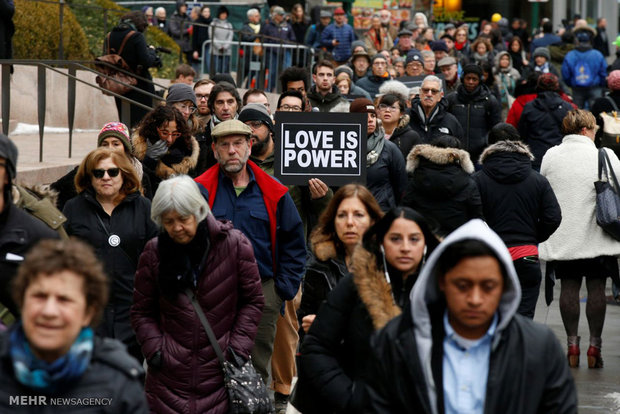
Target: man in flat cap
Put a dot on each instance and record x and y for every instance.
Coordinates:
(261, 208)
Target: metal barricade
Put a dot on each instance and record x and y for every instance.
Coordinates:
(255, 65)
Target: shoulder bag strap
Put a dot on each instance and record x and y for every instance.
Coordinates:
(125, 39)
(611, 170)
(601, 164)
(612, 102)
(206, 326)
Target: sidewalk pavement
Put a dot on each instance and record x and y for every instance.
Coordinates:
(598, 390)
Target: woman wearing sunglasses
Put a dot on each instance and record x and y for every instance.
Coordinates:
(111, 215)
(164, 144)
(114, 136)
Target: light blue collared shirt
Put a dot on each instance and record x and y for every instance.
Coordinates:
(465, 370)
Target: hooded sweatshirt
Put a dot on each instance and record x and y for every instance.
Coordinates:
(426, 292)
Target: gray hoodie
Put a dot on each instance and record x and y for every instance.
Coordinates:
(426, 291)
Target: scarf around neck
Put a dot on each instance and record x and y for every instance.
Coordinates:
(374, 146)
(49, 377)
(544, 68)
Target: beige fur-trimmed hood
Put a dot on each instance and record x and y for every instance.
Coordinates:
(162, 170)
(374, 291)
(516, 147)
(443, 156)
(324, 250)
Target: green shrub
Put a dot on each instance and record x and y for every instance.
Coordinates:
(37, 32)
(92, 20)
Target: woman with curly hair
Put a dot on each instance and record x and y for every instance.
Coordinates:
(164, 145)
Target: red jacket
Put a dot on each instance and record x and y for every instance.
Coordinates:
(272, 191)
(514, 114)
(189, 378)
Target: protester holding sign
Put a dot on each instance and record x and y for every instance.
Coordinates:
(385, 166)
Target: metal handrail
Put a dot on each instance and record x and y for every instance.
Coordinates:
(72, 66)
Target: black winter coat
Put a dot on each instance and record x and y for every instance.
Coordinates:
(441, 188)
(518, 203)
(200, 34)
(441, 122)
(131, 222)
(7, 29)
(477, 112)
(386, 178)
(335, 352)
(19, 231)
(111, 374)
(527, 370)
(324, 270)
(405, 137)
(540, 125)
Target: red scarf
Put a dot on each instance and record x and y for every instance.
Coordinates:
(460, 46)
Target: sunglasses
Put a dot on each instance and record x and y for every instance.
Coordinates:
(112, 172)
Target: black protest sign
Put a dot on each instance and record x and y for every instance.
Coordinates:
(327, 146)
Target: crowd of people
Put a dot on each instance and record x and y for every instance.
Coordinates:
(413, 291)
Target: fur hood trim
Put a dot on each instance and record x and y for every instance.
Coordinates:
(324, 249)
(438, 155)
(374, 291)
(162, 170)
(516, 147)
(403, 122)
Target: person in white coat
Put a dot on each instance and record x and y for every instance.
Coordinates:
(579, 248)
(222, 35)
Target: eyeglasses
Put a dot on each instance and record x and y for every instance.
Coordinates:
(185, 108)
(385, 107)
(289, 108)
(414, 64)
(201, 97)
(165, 133)
(254, 124)
(430, 90)
(112, 172)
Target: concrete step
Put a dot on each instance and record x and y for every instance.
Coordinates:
(56, 161)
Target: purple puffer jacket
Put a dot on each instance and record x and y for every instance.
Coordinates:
(189, 378)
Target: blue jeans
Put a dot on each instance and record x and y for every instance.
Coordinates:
(584, 97)
(272, 65)
(222, 64)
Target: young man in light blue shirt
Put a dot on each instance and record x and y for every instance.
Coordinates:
(462, 348)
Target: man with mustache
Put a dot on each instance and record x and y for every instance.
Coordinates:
(310, 201)
(429, 117)
(263, 210)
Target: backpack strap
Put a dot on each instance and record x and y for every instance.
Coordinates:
(612, 102)
(107, 38)
(125, 39)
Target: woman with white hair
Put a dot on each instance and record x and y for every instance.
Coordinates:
(216, 262)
